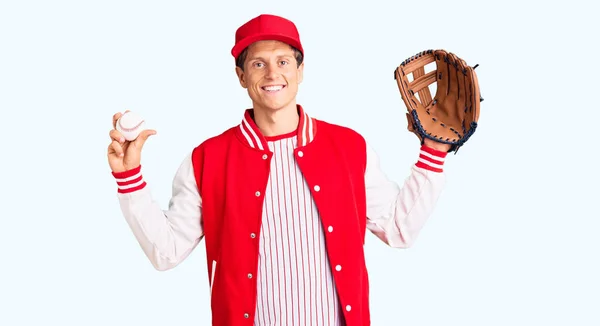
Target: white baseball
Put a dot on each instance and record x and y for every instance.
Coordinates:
(130, 125)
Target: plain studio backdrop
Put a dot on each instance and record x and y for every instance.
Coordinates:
(513, 240)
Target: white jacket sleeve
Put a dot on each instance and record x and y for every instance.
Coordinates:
(396, 214)
(167, 237)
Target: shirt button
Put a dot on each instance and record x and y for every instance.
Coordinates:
(265, 156)
(246, 315)
(338, 268)
(257, 193)
(317, 188)
(300, 153)
(330, 228)
(348, 308)
(252, 235)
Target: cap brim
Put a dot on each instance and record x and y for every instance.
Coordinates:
(244, 43)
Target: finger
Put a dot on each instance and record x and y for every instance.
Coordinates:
(143, 136)
(115, 149)
(115, 135)
(116, 117)
(473, 95)
(468, 94)
(453, 75)
(461, 80)
(442, 74)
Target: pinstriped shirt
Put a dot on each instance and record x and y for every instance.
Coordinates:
(295, 285)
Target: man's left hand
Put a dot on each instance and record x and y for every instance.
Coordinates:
(436, 145)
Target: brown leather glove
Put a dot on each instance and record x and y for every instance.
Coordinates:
(449, 117)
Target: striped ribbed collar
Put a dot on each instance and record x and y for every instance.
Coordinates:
(251, 135)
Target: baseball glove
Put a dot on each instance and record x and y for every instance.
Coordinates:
(449, 117)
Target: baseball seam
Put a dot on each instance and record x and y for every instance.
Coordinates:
(132, 128)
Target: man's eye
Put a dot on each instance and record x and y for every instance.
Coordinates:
(284, 62)
(258, 64)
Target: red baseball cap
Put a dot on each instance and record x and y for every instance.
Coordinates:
(266, 27)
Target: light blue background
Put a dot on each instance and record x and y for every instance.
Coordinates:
(514, 238)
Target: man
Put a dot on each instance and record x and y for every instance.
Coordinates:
(282, 200)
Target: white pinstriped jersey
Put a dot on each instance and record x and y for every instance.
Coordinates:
(295, 285)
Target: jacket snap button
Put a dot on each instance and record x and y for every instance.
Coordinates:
(252, 235)
(338, 268)
(249, 275)
(348, 308)
(265, 156)
(330, 228)
(300, 154)
(246, 315)
(257, 193)
(317, 188)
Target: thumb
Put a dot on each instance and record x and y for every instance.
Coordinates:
(143, 136)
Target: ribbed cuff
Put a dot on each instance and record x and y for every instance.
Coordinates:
(130, 180)
(431, 159)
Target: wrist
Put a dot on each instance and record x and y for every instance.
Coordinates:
(129, 181)
(436, 145)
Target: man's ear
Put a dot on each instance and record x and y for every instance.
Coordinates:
(300, 73)
(241, 76)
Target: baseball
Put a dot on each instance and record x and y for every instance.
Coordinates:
(130, 125)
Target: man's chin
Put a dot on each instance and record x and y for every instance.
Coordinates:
(274, 104)
(273, 107)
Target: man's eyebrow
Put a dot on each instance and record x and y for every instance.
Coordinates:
(263, 59)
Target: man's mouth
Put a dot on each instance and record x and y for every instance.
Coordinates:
(273, 88)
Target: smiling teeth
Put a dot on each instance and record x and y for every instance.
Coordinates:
(272, 88)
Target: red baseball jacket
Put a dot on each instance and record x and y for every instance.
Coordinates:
(218, 195)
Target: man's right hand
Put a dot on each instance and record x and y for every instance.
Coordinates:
(125, 155)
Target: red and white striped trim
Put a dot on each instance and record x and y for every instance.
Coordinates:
(431, 159)
(252, 133)
(307, 129)
(130, 180)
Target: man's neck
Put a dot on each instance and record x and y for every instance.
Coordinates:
(279, 122)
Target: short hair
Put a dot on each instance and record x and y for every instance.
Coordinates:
(241, 59)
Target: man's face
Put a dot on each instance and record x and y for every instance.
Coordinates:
(271, 75)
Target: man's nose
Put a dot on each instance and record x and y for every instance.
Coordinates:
(272, 71)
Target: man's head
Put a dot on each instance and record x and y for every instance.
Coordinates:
(269, 61)
(271, 72)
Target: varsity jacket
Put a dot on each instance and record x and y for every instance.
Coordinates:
(218, 196)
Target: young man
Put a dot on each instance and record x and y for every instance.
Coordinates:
(282, 200)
